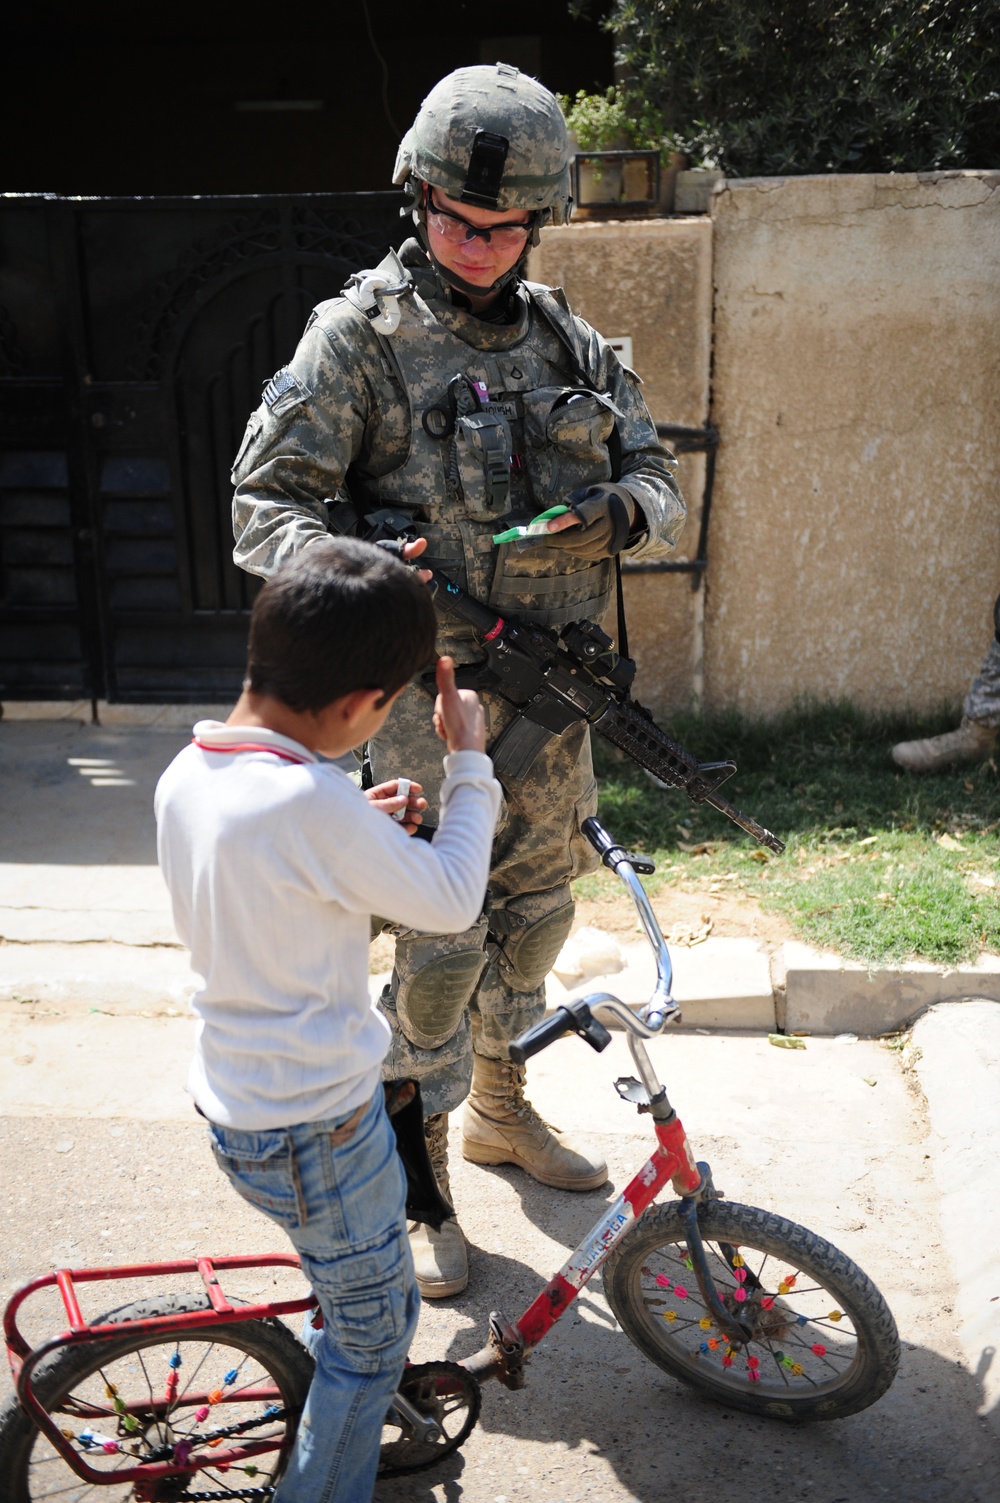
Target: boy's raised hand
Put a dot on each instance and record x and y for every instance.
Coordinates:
(458, 715)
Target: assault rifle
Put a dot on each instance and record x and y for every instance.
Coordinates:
(555, 678)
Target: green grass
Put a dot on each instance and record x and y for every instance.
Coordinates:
(881, 865)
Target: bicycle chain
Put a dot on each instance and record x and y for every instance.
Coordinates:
(263, 1493)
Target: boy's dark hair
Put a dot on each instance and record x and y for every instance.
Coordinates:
(341, 615)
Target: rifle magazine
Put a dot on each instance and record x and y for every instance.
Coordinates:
(517, 746)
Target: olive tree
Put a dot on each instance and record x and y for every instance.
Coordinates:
(792, 86)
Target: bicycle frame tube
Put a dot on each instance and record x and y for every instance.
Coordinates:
(671, 1160)
(23, 1360)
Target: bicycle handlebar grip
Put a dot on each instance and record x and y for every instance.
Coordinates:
(535, 1039)
(597, 835)
(610, 852)
(606, 847)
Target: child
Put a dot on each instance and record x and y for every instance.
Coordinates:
(275, 861)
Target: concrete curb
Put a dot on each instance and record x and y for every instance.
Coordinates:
(132, 963)
(816, 992)
(732, 984)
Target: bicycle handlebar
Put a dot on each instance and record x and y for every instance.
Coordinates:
(577, 1016)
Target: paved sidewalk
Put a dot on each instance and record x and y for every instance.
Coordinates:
(93, 994)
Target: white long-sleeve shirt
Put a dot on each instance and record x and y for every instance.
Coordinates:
(275, 862)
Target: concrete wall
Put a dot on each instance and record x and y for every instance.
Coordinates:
(855, 548)
(651, 280)
(855, 537)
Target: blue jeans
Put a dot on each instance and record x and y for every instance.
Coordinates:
(338, 1191)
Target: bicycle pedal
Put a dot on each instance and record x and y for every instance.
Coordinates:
(508, 1346)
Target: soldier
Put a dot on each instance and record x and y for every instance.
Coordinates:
(445, 388)
(976, 737)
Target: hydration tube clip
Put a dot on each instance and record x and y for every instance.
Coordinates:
(379, 299)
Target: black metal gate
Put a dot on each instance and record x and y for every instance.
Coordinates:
(135, 335)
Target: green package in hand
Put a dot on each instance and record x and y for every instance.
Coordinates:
(533, 529)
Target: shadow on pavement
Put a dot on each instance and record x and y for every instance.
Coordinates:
(593, 1403)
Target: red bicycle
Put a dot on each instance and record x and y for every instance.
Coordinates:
(196, 1396)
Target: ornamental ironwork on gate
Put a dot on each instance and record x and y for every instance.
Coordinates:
(135, 335)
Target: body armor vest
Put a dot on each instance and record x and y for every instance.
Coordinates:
(496, 436)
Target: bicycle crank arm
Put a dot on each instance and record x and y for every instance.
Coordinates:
(425, 1429)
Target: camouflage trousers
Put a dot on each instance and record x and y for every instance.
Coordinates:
(982, 702)
(453, 994)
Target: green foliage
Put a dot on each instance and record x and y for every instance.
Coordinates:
(881, 865)
(605, 122)
(776, 87)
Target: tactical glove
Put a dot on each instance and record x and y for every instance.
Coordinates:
(607, 514)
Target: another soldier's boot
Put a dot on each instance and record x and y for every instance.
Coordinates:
(501, 1127)
(440, 1260)
(972, 742)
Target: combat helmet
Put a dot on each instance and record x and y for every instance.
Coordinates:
(491, 137)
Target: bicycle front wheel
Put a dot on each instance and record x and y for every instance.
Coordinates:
(823, 1344)
(154, 1398)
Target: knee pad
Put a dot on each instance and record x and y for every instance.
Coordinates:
(530, 931)
(433, 987)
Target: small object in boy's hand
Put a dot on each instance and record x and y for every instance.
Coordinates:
(537, 527)
(402, 791)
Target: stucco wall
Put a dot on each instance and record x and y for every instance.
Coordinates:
(652, 281)
(855, 548)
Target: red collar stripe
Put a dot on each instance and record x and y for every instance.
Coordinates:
(250, 746)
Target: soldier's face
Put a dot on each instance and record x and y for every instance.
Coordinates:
(472, 257)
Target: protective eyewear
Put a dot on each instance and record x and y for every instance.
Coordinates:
(453, 227)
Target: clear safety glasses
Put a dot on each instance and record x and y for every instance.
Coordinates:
(503, 237)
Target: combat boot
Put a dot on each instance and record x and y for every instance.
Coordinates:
(972, 742)
(501, 1127)
(440, 1260)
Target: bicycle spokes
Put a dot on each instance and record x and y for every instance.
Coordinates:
(796, 1336)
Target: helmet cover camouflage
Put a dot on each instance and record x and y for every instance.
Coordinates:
(492, 137)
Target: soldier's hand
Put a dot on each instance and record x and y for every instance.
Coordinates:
(458, 715)
(598, 522)
(413, 550)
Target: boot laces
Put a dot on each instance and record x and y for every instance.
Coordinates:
(436, 1134)
(515, 1100)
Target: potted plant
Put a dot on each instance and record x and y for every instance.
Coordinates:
(622, 165)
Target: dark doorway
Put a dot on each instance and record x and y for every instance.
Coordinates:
(135, 336)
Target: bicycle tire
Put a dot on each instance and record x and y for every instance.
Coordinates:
(820, 1349)
(254, 1350)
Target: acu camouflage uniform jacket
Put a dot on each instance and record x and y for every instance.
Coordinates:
(468, 426)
